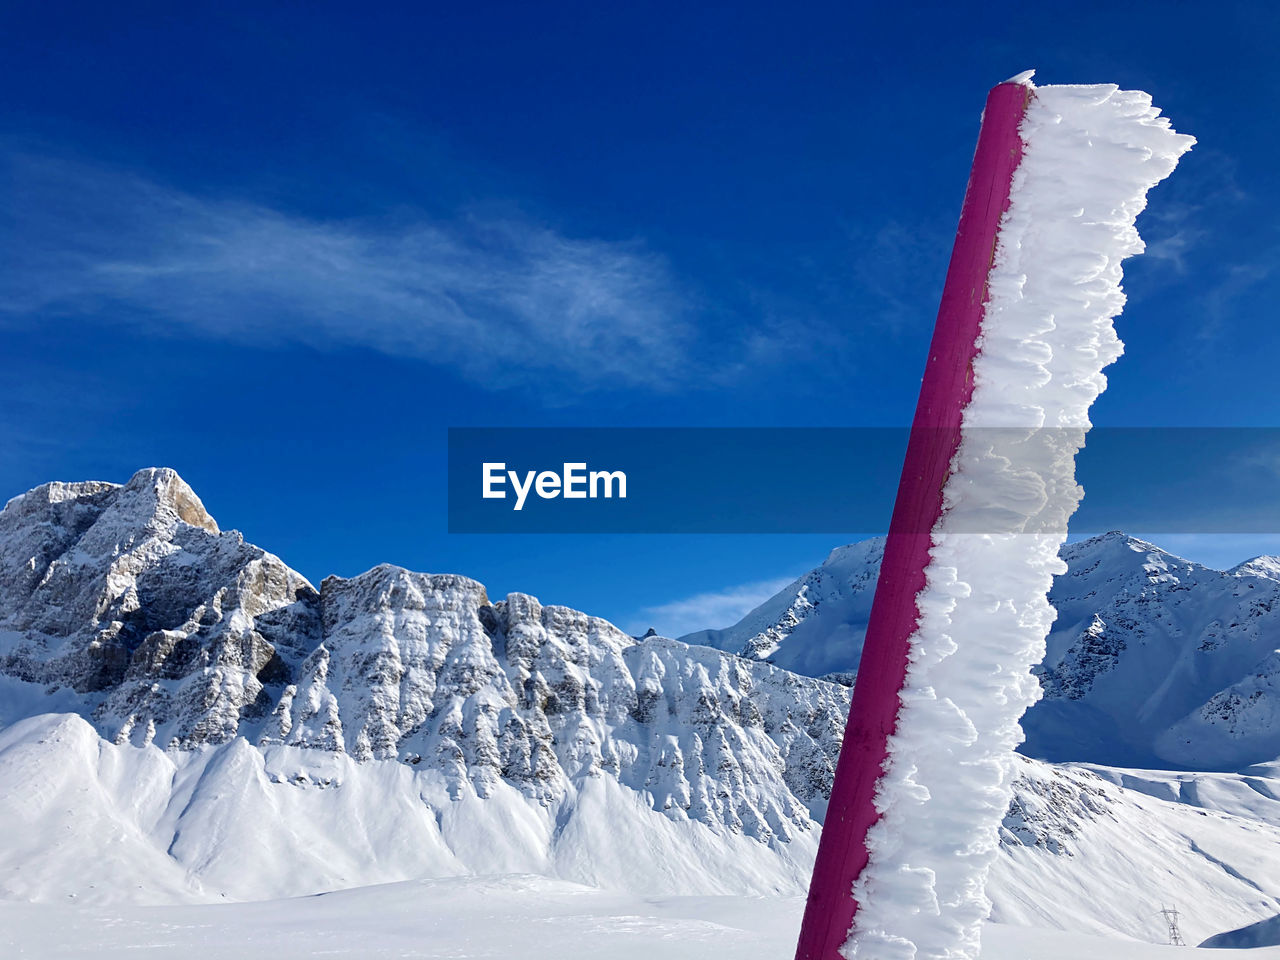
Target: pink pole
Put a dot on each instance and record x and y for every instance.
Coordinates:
(935, 436)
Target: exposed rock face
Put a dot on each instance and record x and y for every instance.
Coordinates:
(133, 597)
(1052, 807)
(424, 669)
(176, 633)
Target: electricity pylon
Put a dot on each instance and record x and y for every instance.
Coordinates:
(1171, 917)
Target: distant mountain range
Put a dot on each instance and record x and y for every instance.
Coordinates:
(1154, 661)
(185, 718)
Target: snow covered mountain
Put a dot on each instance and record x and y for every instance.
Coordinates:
(127, 606)
(185, 719)
(1153, 661)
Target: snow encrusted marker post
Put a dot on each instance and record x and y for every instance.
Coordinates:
(961, 613)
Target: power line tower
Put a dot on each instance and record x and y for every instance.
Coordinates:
(1171, 917)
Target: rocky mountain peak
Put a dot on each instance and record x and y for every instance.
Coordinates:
(1264, 566)
(166, 495)
(164, 630)
(155, 497)
(862, 553)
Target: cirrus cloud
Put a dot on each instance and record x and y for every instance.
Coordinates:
(707, 611)
(503, 300)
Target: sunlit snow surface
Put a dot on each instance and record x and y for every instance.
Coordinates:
(101, 823)
(528, 917)
(96, 830)
(1091, 154)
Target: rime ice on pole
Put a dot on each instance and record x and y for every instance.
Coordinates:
(1090, 154)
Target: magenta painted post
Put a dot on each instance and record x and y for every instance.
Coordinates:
(935, 434)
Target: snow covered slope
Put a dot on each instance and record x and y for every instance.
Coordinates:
(183, 719)
(86, 821)
(1101, 850)
(1153, 660)
(525, 917)
(815, 625)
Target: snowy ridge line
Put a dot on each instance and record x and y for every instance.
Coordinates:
(1091, 153)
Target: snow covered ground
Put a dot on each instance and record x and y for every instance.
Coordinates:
(190, 734)
(523, 916)
(98, 832)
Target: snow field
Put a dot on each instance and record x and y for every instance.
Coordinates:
(524, 917)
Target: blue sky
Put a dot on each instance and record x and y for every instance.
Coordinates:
(282, 250)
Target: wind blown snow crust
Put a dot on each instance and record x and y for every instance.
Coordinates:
(1091, 154)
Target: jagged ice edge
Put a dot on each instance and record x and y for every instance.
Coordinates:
(1091, 154)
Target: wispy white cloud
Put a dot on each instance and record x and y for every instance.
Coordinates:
(1262, 458)
(702, 611)
(1190, 227)
(901, 268)
(501, 299)
(1238, 281)
(1173, 247)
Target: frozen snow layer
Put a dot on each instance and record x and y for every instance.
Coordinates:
(520, 917)
(116, 826)
(1091, 154)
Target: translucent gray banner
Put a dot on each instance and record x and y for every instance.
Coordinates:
(835, 480)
